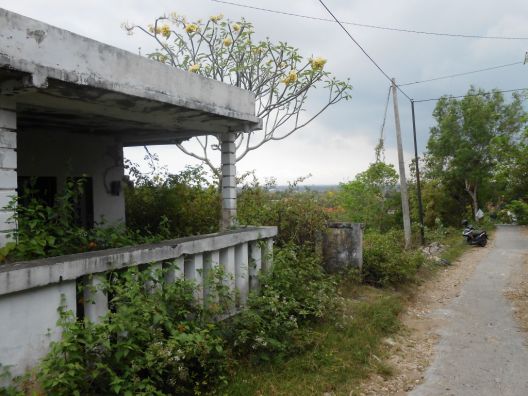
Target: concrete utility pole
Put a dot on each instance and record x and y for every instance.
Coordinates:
(401, 163)
(418, 186)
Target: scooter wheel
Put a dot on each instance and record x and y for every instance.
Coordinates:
(483, 242)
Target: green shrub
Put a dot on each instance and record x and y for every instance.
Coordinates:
(156, 340)
(372, 198)
(295, 294)
(44, 230)
(299, 216)
(153, 342)
(520, 210)
(188, 201)
(386, 262)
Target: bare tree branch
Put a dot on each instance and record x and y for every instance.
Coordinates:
(276, 73)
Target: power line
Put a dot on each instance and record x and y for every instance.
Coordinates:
(362, 49)
(477, 94)
(385, 112)
(380, 150)
(394, 29)
(461, 74)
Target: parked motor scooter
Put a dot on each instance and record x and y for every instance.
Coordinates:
(474, 237)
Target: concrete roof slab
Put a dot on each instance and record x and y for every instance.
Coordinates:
(67, 75)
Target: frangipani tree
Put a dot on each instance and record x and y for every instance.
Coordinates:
(277, 74)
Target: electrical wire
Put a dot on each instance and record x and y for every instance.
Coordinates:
(460, 74)
(380, 151)
(385, 113)
(394, 29)
(463, 96)
(363, 50)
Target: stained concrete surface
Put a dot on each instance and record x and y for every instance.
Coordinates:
(481, 350)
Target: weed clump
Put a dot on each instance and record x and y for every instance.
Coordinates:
(386, 262)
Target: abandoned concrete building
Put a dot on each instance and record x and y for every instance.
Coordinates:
(68, 106)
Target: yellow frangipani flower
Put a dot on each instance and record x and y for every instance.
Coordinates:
(216, 18)
(228, 41)
(317, 63)
(291, 78)
(153, 30)
(191, 27)
(236, 27)
(165, 31)
(195, 68)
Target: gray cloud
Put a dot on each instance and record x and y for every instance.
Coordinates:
(341, 142)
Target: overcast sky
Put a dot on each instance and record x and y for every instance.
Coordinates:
(341, 142)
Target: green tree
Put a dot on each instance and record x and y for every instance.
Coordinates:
(372, 197)
(459, 154)
(277, 74)
(511, 167)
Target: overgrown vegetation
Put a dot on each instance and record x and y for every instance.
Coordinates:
(157, 340)
(304, 327)
(342, 353)
(45, 230)
(295, 295)
(187, 203)
(386, 262)
(484, 171)
(299, 216)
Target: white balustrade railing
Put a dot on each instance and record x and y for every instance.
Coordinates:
(32, 291)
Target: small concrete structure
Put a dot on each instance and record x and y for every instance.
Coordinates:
(68, 106)
(342, 247)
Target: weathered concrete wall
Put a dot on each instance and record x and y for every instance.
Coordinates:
(28, 323)
(30, 292)
(36, 273)
(53, 153)
(342, 246)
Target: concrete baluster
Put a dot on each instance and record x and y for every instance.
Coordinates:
(255, 264)
(242, 272)
(193, 271)
(175, 270)
(267, 254)
(95, 299)
(211, 261)
(227, 259)
(154, 270)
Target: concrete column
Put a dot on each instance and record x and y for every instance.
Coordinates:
(8, 166)
(95, 300)
(255, 264)
(228, 180)
(242, 272)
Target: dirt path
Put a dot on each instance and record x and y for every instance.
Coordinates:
(481, 351)
(462, 338)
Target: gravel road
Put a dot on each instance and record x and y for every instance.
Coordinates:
(481, 350)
